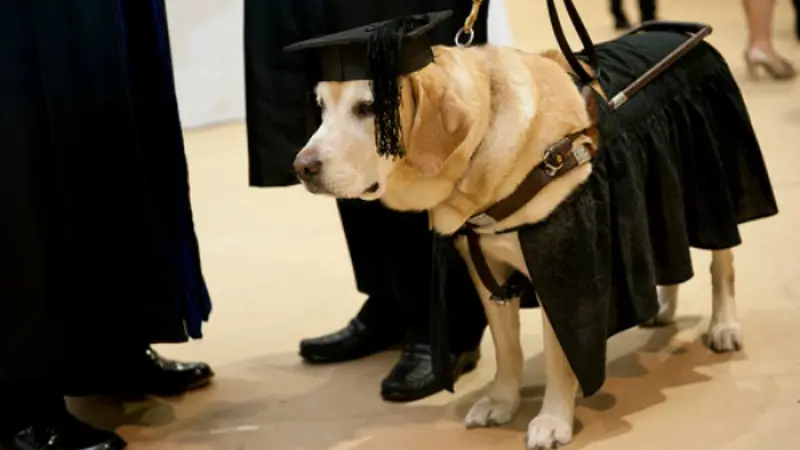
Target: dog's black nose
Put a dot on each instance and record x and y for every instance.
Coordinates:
(307, 165)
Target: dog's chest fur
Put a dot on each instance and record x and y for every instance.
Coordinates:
(534, 103)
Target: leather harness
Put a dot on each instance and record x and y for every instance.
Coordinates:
(564, 155)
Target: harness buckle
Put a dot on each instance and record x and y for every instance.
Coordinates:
(500, 301)
(481, 220)
(581, 154)
(553, 162)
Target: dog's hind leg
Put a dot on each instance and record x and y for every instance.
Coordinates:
(667, 306)
(725, 331)
(553, 426)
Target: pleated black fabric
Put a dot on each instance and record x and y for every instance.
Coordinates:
(98, 251)
(679, 167)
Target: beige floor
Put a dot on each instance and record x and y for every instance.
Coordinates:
(278, 269)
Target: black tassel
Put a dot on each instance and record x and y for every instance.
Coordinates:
(442, 254)
(383, 50)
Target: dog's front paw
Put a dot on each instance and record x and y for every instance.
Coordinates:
(548, 431)
(725, 336)
(490, 412)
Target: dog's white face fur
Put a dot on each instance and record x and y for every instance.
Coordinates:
(473, 124)
(444, 114)
(345, 144)
(469, 130)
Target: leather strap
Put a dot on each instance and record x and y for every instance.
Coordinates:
(481, 265)
(564, 156)
(559, 159)
(584, 76)
(697, 33)
(513, 286)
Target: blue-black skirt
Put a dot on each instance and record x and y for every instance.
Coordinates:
(97, 245)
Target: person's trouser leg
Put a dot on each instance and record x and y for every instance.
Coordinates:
(409, 263)
(620, 19)
(379, 324)
(410, 249)
(33, 416)
(616, 8)
(797, 18)
(647, 9)
(24, 405)
(364, 225)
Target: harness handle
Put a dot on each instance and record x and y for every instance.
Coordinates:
(583, 34)
(697, 32)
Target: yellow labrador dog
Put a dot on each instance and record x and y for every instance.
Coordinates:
(474, 124)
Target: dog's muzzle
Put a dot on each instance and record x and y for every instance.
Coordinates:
(372, 189)
(307, 166)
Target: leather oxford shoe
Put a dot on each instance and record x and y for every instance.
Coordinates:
(67, 434)
(152, 374)
(412, 378)
(356, 340)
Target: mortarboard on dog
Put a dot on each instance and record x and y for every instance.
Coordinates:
(380, 52)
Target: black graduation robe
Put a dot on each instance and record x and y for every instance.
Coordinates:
(679, 166)
(97, 247)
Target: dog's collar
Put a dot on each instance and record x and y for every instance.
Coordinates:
(559, 158)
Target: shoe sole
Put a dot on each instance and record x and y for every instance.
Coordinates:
(199, 384)
(144, 392)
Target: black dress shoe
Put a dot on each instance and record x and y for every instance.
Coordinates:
(621, 23)
(69, 434)
(354, 341)
(412, 378)
(152, 374)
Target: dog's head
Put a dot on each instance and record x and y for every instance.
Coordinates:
(342, 158)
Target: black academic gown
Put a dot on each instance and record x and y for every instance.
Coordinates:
(679, 166)
(390, 251)
(97, 247)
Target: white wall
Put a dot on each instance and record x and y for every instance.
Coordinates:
(499, 27)
(208, 56)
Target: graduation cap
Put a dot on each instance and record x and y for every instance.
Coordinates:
(380, 52)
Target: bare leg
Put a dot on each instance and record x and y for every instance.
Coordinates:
(725, 331)
(759, 23)
(760, 52)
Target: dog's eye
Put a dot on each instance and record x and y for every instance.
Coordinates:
(363, 109)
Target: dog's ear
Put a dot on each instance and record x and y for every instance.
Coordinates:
(440, 122)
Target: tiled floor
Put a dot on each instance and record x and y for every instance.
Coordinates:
(278, 269)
